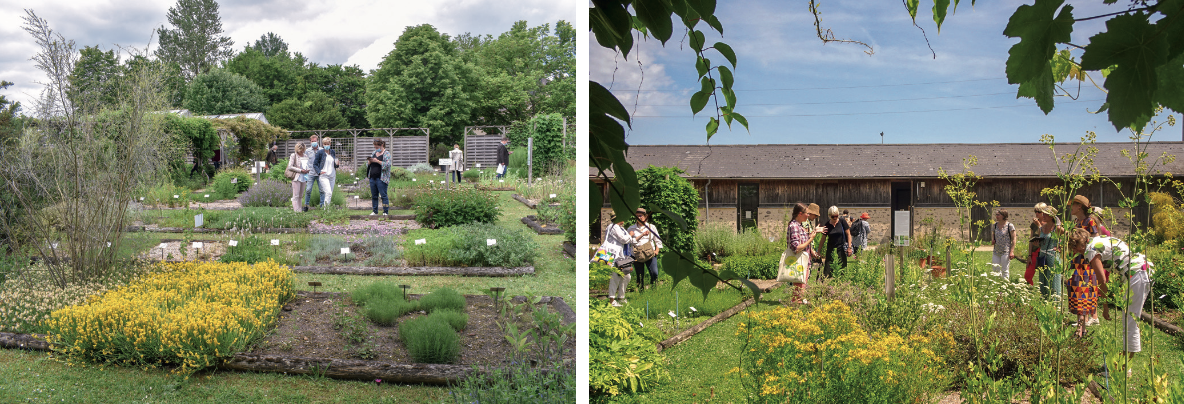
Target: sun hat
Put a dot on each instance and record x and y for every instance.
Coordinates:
(864, 216)
(640, 210)
(812, 209)
(1083, 201)
(1048, 210)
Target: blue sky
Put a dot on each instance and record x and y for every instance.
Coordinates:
(794, 89)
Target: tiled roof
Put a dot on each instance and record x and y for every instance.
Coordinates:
(1007, 160)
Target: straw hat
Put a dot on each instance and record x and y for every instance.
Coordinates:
(1083, 201)
(812, 209)
(1045, 209)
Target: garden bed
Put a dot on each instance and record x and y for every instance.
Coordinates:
(381, 217)
(156, 229)
(541, 228)
(484, 188)
(371, 226)
(416, 271)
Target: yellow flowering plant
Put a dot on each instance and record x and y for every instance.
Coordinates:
(188, 315)
(824, 355)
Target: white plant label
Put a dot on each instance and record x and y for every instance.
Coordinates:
(253, 170)
(233, 243)
(355, 197)
(501, 180)
(432, 181)
(207, 195)
(199, 219)
(163, 245)
(141, 199)
(552, 196)
(234, 180)
(256, 183)
(693, 309)
(275, 241)
(54, 245)
(672, 315)
(176, 196)
(478, 165)
(421, 241)
(344, 250)
(198, 245)
(490, 241)
(108, 244)
(414, 179)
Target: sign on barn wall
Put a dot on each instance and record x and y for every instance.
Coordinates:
(900, 234)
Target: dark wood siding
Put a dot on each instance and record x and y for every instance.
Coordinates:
(722, 193)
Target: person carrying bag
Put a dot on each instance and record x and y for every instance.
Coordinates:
(618, 247)
(798, 240)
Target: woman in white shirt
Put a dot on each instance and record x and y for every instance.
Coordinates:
(298, 166)
(644, 232)
(1105, 252)
(618, 282)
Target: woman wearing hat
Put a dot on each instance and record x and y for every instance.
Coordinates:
(1003, 238)
(618, 282)
(1048, 225)
(643, 233)
(799, 238)
(1083, 216)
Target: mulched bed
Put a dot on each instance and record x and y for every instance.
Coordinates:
(306, 329)
(532, 221)
(369, 227)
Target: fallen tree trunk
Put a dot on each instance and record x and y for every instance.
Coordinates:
(683, 336)
(416, 271)
(352, 369)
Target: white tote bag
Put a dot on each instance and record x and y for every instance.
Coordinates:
(793, 268)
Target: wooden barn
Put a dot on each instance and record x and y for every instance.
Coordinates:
(756, 186)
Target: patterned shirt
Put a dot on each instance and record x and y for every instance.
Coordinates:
(796, 235)
(1115, 254)
(1089, 224)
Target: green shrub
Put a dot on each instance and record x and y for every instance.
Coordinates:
(338, 198)
(599, 274)
(442, 299)
(471, 175)
(376, 291)
(162, 195)
(324, 248)
(518, 159)
(419, 168)
(272, 193)
(753, 267)
(430, 340)
(225, 186)
(277, 171)
(613, 345)
(385, 312)
(443, 208)
(664, 188)
(722, 240)
(384, 252)
(518, 383)
(458, 320)
(467, 246)
(400, 174)
(1168, 278)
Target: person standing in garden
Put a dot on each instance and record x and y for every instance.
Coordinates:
(458, 161)
(1105, 252)
(800, 240)
(618, 282)
(838, 242)
(326, 165)
(860, 231)
(271, 159)
(647, 243)
(297, 170)
(1047, 259)
(379, 173)
(1003, 238)
(812, 211)
(1084, 219)
(503, 157)
(314, 147)
(1083, 285)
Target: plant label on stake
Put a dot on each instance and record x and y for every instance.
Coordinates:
(199, 219)
(344, 250)
(414, 179)
(275, 241)
(198, 245)
(233, 243)
(490, 241)
(421, 241)
(552, 196)
(176, 196)
(207, 195)
(234, 180)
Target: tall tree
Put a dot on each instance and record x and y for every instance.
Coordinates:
(522, 73)
(195, 42)
(421, 83)
(346, 85)
(271, 45)
(278, 76)
(313, 111)
(222, 92)
(95, 79)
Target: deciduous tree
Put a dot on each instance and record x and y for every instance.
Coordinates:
(222, 92)
(312, 112)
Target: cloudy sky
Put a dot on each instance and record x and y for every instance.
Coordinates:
(794, 89)
(351, 32)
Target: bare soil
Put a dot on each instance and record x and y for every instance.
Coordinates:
(307, 329)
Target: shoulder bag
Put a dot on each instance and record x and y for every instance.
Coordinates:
(644, 252)
(288, 173)
(794, 267)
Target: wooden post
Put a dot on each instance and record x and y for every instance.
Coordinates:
(949, 263)
(530, 161)
(889, 277)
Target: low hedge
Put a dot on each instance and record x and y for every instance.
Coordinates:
(754, 267)
(443, 208)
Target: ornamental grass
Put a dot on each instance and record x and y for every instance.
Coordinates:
(188, 315)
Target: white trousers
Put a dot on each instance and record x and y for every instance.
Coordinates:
(1002, 262)
(326, 182)
(617, 285)
(1134, 309)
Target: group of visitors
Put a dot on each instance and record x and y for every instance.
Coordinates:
(638, 248)
(315, 164)
(844, 237)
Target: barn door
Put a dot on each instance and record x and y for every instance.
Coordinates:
(746, 209)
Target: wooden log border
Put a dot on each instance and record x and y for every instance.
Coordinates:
(283, 230)
(531, 222)
(381, 217)
(569, 249)
(349, 369)
(726, 314)
(495, 188)
(524, 201)
(417, 271)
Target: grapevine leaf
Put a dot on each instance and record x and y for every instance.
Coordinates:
(701, 66)
(703, 7)
(682, 223)
(912, 6)
(679, 7)
(725, 77)
(626, 197)
(602, 101)
(1041, 89)
(712, 127)
(939, 12)
(1170, 93)
(697, 40)
(713, 22)
(608, 132)
(595, 201)
(612, 24)
(1039, 33)
(727, 51)
(740, 118)
(1105, 106)
(1131, 44)
(1172, 25)
(677, 267)
(704, 278)
(655, 16)
(698, 101)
